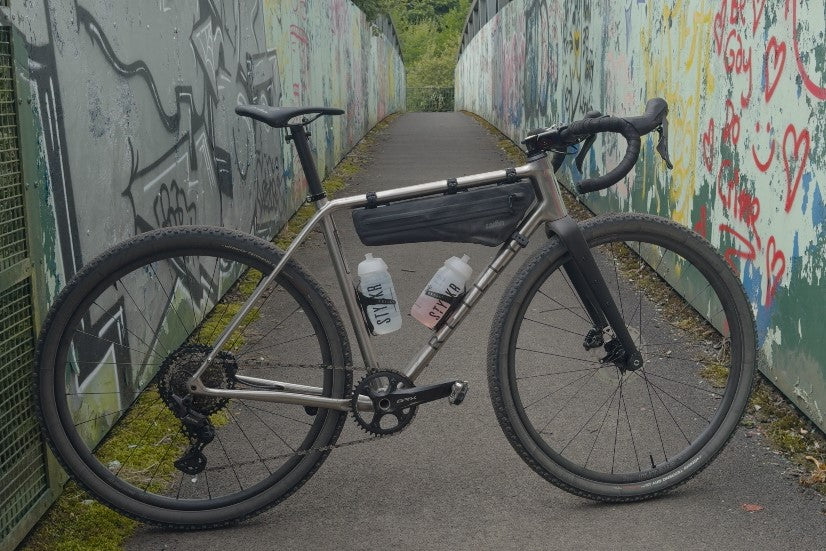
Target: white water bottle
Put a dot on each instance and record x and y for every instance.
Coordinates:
(449, 282)
(375, 283)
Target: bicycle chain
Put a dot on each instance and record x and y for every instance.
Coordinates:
(322, 449)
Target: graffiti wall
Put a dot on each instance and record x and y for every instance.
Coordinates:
(746, 85)
(133, 109)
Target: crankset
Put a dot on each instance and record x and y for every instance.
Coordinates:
(395, 399)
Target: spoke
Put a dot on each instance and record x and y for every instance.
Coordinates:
(276, 344)
(268, 333)
(577, 333)
(559, 355)
(229, 462)
(555, 373)
(675, 399)
(640, 288)
(688, 303)
(599, 430)
(266, 425)
(169, 297)
(144, 410)
(639, 293)
(585, 424)
(668, 411)
(181, 486)
(656, 421)
(710, 391)
(143, 352)
(590, 323)
(101, 417)
(145, 433)
(140, 311)
(146, 344)
(616, 275)
(206, 481)
(216, 300)
(276, 414)
(569, 383)
(267, 293)
(631, 432)
(585, 382)
(616, 429)
(563, 307)
(241, 428)
(158, 466)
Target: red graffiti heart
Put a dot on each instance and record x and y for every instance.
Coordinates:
(757, 14)
(779, 51)
(775, 266)
(793, 181)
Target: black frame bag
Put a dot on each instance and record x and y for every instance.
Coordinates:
(486, 216)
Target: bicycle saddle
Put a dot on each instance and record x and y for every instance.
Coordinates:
(279, 117)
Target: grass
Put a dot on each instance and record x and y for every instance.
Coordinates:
(75, 522)
(769, 412)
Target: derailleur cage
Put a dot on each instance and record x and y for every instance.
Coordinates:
(200, 431)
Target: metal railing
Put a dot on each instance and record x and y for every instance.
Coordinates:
(481, 11)
(23, 466)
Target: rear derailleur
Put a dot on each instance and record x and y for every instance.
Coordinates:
(198, 428)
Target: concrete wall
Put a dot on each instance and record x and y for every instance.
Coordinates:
(133, 110)
(746, 83)
(133, 104)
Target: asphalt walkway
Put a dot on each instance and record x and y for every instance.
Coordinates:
(451, 480)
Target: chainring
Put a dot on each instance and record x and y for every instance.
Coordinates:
(179, 366)
(376, 386)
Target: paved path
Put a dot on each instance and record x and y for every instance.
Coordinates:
(451, 480)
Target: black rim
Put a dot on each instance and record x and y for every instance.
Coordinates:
(108, 474)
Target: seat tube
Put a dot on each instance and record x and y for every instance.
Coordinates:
(302, 145)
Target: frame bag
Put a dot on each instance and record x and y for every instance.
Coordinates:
(486, 215)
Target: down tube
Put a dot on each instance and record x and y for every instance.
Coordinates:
(480, 286)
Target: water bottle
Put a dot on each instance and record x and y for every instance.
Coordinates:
(375, 283)
(448, 283)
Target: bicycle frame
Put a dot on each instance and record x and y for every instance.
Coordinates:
(548, 209)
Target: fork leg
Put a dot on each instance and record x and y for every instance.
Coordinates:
(591, 285)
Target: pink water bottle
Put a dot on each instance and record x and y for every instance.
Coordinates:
(449, 282)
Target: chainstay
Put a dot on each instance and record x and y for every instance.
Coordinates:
(320, 449)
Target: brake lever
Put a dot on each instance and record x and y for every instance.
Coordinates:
(589, 141)
(662, 145)
(583, 151)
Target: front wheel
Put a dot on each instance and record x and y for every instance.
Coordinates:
(572, 413)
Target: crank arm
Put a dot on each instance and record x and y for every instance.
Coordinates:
(417, 395)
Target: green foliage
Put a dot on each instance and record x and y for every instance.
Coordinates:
(372, 8)
(429, 33)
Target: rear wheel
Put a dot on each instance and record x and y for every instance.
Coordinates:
(130, 329)
(580, 420)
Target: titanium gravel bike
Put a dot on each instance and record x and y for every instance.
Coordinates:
(620, 359)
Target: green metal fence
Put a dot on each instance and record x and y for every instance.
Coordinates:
(23, 465)
(429, 98)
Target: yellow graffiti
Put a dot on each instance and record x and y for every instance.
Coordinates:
(676, 71)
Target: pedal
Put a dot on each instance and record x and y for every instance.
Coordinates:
(458, 393)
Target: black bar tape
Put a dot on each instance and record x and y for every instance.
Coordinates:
(618, 173)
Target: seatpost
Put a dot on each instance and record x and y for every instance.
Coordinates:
(302, 145)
